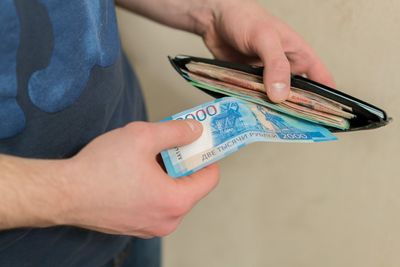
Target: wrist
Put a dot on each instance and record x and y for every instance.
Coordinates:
(203, 16)
(60, 177)
(206, 13)
(35, 193)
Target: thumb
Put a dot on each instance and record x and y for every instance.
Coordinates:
(277, 66)
(176, 133)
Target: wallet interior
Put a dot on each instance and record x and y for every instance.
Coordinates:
(367, 116)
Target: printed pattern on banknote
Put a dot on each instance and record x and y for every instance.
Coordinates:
(230, 124)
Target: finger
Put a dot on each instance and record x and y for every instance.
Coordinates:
(277, 68)
(319, 73)
(175, 133)
(196, 186)
(305, 61)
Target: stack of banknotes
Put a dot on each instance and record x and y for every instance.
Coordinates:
(247, 115)
(249, 87)
(229, 124)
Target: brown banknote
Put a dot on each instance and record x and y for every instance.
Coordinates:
(300, 102)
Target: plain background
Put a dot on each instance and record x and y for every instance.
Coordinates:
(332, 204)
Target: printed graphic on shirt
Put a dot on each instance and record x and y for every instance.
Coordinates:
(85, 35)
(12, 119)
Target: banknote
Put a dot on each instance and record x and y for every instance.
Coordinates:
(230, 124)
(300, 103)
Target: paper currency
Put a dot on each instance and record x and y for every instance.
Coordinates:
(228, 125)
(301, 103)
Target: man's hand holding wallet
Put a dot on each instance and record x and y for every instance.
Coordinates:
(311, 112)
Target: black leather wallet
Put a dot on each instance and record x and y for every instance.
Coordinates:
(367, 116)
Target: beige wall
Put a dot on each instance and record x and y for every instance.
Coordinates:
(334, 204)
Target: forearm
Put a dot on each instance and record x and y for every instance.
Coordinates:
(32, 192)
(189, 15)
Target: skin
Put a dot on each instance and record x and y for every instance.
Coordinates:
(241, 31)
(115, 184)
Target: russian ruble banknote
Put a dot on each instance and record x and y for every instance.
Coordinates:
(302, 104)
(228, 125)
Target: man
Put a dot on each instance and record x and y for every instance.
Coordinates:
(77, 176)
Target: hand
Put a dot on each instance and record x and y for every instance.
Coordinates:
(241, 31)
(120, 188)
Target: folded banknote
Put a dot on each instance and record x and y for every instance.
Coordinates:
(249, 87)
(228, 125)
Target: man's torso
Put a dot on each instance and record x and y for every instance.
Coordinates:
(63, 81)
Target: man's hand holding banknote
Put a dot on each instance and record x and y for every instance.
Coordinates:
(260, 107)
(117, 183)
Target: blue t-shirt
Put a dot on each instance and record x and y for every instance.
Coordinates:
(63, 81)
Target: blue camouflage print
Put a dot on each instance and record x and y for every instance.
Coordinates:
(85, 35)
(12, 119)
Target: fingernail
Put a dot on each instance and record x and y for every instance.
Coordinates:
(279, 87)
(193, 125)
(278, 92)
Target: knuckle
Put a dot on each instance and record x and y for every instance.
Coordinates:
(308, 53)
(166, 229)
(279, 64)
(263, 32)
(310, 59)
(178, 209)
(140, 129)
(314, 63)
(176, 206)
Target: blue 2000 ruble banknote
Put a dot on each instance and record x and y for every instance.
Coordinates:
(228, 125)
